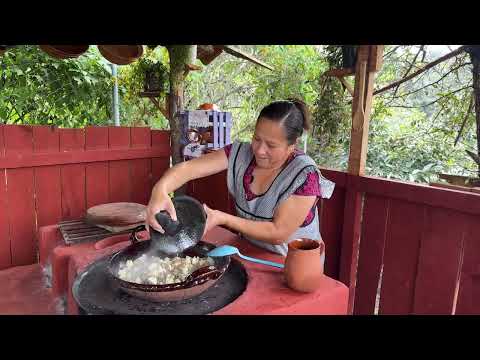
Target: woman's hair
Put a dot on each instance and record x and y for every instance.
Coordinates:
(292, 114)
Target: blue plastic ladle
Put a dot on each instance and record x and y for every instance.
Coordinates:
(226, 250)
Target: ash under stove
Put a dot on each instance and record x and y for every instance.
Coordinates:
(97, 294)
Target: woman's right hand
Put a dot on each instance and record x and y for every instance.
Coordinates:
(159, 202)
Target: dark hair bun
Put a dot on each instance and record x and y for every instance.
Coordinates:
(307, 124)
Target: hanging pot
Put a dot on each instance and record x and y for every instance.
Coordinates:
(121, 54)
(207, 53)
(64, 51)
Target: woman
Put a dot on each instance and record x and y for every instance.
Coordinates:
(275, 186)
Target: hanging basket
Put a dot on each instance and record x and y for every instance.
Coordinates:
(153, 82)
(121, 54)
(64, 51)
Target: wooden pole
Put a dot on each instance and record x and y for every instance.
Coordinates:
(361, 106)
(180, 57)
(476, 94)
(368, 62)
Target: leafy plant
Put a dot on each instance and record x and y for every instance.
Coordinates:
(149, 75)
(38, 89)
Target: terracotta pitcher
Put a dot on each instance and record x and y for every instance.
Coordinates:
(304, 264)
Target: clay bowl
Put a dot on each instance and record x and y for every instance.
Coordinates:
(64, 51)
(121, 54)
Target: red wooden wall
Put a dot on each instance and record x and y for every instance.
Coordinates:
(418, 247)
(49, 174)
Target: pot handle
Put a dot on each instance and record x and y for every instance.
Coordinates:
(202, 275)
(133, 236)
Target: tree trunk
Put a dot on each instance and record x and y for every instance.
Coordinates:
(180, 56)
(476, 92)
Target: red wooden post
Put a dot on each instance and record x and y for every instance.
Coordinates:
(350, 242)
(48, 197)
(73, 176)
(374, 229)
(468, 302)
(400, 261)
(141, 169)
(361, 106)
(96, 181)
(439, 263)
(5, 255)
(20, 200)
(159, 165)
(119, 171)
(331, 222)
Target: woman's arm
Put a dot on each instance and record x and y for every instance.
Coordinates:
(185, 171)
(177, 176)
(287, 219)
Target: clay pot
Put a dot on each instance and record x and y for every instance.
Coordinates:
(207, 53)
(121, 54)
(64, 51)
(208, 106)
(304, 264)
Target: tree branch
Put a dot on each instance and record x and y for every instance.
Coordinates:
(470, 107)
(391, 51)
(157, 104)
(409, 68)
(433, 102)
(425, 68)
(238, 88)
(432, 83)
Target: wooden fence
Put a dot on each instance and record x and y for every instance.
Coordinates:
(48, 175)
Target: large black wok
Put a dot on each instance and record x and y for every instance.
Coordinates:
(196, 283)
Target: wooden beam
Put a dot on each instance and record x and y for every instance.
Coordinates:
(243, 55)
(192, 67)
(20, 160)
(375, 60)
(340, 72)
(157, 104)
(361, 107)
(347, 85)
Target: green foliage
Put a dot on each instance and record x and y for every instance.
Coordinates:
(243, 88)
(412, 127)
(136, 110)
(38, 89)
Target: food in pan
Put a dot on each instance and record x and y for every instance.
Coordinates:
(153, 270)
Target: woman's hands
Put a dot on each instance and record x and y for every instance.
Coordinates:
(214, 218)
(160, 201)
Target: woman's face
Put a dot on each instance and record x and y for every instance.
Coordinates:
(270, 145)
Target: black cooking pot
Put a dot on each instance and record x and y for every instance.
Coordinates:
(196, 283)
(184, 233)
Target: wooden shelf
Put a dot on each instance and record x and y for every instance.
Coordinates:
(340, 72)
(149, 94)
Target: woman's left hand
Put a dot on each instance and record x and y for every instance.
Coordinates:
(214, 218)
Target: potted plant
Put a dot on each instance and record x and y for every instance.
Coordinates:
(151, 76)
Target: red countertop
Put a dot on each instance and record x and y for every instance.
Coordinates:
(266, 293)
